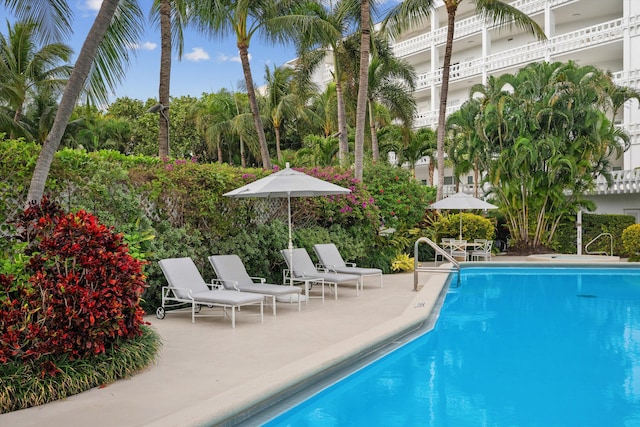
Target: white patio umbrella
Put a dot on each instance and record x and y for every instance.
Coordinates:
(288, 183)
(462, 202)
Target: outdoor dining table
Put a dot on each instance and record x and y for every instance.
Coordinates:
(447, 244)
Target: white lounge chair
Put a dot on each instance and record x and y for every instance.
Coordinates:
(232, 273)
(186, 286)
(331, 259)
(302, 267)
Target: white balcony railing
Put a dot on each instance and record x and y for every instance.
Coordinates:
(595, 35)
(624, 182)
(464, 27)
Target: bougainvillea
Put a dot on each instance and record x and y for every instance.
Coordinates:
(82, 294)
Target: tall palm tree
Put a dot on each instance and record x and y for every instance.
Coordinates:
(363, 85)
(412, 12)
(99, 65)
(331, 28)
(28, 70)
(173, 17)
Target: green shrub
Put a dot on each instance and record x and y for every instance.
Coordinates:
(473, 226)
(401, 199)
(631, 242)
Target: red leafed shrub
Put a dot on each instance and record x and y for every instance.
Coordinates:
(83, 292)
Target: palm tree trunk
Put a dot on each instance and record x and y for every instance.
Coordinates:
(165, 78)
(278, 152)
(375, 149)
(343, 137)
(253, 103)
(363, 86)
(74, 86)
(243, 159)
(444, 90)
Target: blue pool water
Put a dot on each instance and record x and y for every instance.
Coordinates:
(512, 347)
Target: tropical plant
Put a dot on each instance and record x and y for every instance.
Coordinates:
(281, 99)
(274, 20)
(99, 65)
(330, 30)
(391, 83)
(28, 72)
(545, 136)
(83, 294)
(412, 12)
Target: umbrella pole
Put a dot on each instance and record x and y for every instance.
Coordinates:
(460, 215)
(290, 240)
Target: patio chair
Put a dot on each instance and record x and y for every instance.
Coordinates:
(483, 251)
(186, 287)
(330, 258)
(459, 249)
(232, 273)
(445, 244)
(302, 268)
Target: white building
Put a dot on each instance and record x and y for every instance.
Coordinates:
(603, 33)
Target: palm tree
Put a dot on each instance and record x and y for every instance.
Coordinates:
(331, 28)
(363, 85)
(28, 71)
(99, 65)
(172, 15)
(278, 21)
(214, 114)
(497, 12)
(281, 99)
(391, 83)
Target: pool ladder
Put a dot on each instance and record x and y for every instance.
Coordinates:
(586, 247)
(417, 268)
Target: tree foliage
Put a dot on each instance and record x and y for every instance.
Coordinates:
(542, 136)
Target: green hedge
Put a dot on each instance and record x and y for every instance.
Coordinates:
(173, 208)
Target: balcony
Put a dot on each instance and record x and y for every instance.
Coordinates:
(464, 27)
(584, 38)
(624, 182)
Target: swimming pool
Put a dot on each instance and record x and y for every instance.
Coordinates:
(512, 346)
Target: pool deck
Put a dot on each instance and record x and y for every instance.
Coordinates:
(208, 371)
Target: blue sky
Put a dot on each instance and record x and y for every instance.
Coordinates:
(206, 65)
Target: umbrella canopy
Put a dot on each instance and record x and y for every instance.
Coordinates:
(288, 183)
(462, 202)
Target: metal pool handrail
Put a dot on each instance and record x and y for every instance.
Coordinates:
(586, 247)
(418, 269)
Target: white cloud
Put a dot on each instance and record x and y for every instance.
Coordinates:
(93, 5)
(144, 46)
(197, 54)
(226, 58)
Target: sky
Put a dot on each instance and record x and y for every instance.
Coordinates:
(206, 65)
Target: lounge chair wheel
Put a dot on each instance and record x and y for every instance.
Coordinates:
(160, 312)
